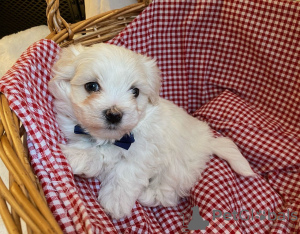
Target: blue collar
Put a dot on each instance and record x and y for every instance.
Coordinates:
(125, 142)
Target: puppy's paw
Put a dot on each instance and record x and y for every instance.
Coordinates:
(148, 198)
(84, 162)
(165, 196)
(115, 201)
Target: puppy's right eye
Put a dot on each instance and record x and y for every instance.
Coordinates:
(92, 87)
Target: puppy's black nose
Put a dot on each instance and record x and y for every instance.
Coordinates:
(113, 115)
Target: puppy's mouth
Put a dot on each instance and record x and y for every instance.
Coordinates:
(113, 124)
(116, 129)
(110, 130)
(112, 127)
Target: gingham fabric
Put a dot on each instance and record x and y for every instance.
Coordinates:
(233, 64)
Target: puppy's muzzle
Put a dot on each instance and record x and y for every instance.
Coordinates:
(113, 115)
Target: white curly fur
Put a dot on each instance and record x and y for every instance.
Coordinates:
(171, 148)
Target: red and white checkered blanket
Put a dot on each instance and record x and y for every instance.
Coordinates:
(234, 64)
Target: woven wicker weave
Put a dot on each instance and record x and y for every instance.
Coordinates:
(25, 195)
(96, 29)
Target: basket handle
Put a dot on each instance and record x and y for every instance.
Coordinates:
(56, 23)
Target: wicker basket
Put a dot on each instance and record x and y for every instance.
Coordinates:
(96, 29)
(25, 195)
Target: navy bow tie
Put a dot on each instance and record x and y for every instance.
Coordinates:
(125, 142)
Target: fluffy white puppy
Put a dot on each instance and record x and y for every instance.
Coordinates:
(109, 92)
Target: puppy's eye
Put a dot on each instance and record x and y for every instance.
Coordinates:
(135, 92)
(92, 87)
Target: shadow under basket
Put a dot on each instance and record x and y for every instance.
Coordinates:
(25, 195)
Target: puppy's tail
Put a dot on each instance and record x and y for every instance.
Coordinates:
(226, 149)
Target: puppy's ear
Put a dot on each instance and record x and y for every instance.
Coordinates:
(63, 71)
(153, 79)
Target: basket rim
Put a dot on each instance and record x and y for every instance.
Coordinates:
(61, 31)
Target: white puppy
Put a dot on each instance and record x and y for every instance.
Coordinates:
(110, 92)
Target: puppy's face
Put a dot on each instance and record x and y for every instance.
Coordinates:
(107, 87)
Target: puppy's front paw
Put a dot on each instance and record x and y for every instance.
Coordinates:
(84, 162)
(115, 201)
(156, 196)
(148, 197)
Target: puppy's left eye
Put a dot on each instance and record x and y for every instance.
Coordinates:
(92, 87)
(135, 92)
